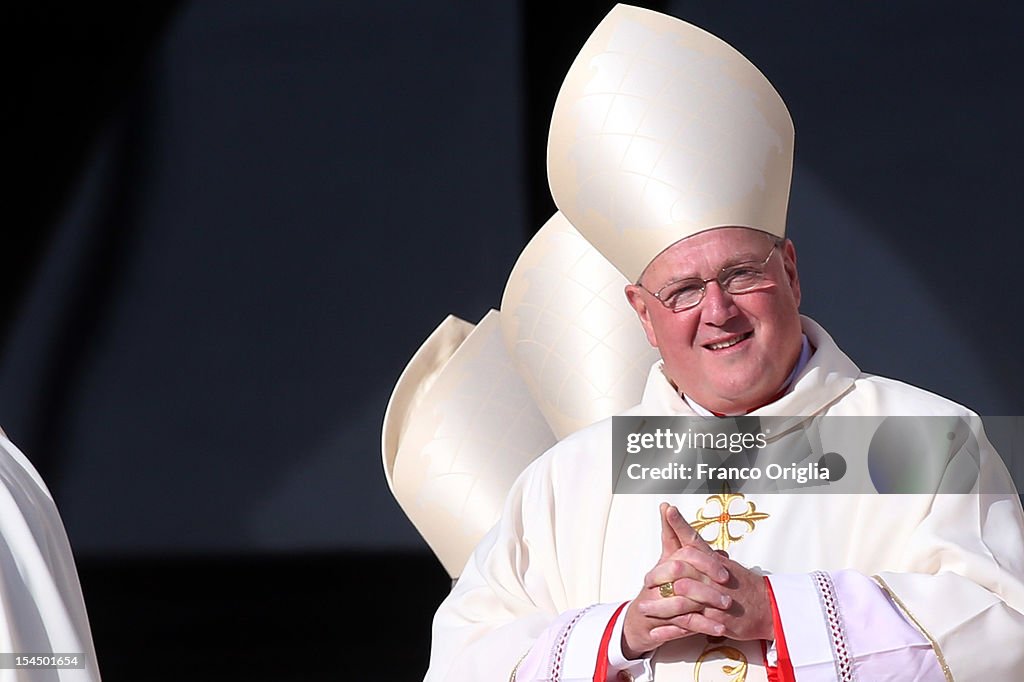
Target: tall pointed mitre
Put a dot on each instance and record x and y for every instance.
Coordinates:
(459, 428)
(571, 334)
(661, 131)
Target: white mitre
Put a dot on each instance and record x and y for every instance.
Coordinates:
(476, 405)
(661, 131)
(572, 335)
(459, 428)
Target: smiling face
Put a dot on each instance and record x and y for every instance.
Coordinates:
(732, 352)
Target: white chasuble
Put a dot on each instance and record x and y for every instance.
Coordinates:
(949, 568)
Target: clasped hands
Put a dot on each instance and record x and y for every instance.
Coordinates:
(714, 595)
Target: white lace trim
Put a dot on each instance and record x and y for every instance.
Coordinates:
(834, 619)
(558, 649)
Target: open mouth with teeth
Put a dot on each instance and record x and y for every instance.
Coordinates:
(722, 345)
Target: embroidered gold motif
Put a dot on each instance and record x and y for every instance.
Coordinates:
(735, 667)
(724, 516)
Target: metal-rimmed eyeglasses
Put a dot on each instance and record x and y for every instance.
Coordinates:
(738, 278)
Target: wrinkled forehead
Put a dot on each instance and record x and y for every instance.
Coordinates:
(707, 252)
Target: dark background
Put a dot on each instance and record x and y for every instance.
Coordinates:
(233, 223)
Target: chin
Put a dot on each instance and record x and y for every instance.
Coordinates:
(742, 399)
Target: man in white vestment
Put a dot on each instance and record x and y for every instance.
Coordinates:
(672, 155)
(44, 630)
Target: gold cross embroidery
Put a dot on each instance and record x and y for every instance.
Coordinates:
(724, 516)
(737, 672)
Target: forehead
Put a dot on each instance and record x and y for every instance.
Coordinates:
(709, 250)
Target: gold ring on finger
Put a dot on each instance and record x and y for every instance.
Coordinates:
(666, 590)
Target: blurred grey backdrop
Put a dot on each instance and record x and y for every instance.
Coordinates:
(277, 202)
(232, 224)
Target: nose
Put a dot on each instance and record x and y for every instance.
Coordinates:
(718, 306)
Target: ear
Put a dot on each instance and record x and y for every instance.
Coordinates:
(635, 296)
(789, 263)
